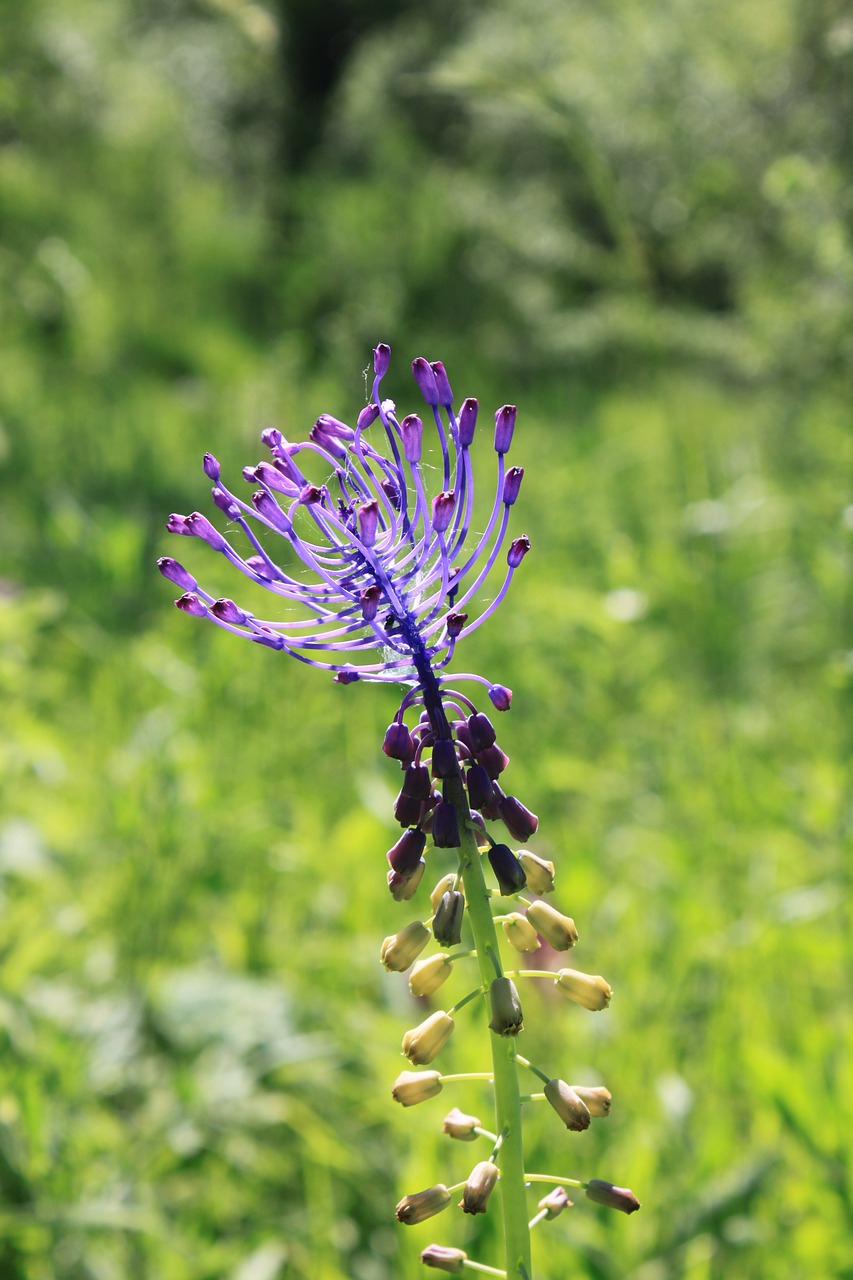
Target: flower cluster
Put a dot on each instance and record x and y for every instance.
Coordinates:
(378, 577)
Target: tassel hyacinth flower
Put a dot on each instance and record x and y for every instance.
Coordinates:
(379, 576)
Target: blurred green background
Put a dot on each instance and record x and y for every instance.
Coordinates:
(635, 222)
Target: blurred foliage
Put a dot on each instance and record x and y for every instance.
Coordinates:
(635, 222)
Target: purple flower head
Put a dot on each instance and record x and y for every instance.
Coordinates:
(379, 571)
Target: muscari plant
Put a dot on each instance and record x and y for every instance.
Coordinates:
(373, 579)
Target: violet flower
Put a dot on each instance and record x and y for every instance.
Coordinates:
(377, 576)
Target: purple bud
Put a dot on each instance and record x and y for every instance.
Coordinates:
(425, 378)
(310, 495)
(178, 524)
(445, 826)
(176, 573)
(481, 731)
(445, 395)
(517, 551)
(398, 743)
(504, 426)
(267, 507)
(493, 760)
(212, 468)
(370, 598)
(509, 872)
(334, 427)
(272, 438)
(289, 469)
(225, 502)
(392, 493)
(467, 421)
(407, 810)
(346, 676)
(444, 759)
(512, 484)
(327, 441)
(200, 527)
(601, 1192)
(227, 611)
(368, 519)
(381, 359)
(416, 782)
(269, 638)
(273, 478)
(489, 808)
(460, 728)
(455, 623)
(412, 430)
(191, 604)
(518, 820)
(368, 416)
(405, 855)
(260, 568)
(442, 510)
(500, 697)
(447, 921)
(479, 783)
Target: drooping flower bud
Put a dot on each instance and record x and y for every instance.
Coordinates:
(500, 697)
(507, 1017)
(407, 810)
(540, 874)
(405, 887)
(188, 603)
(508, 870)
(444, 1258)
(428, 975)
(405, 855)
(416, 782)
(402, 949)
(445, 826)
(381, 359)
(447, 921)
(479, 1187)
(228, 611)
(479, 786)
(493, 760)
(481, 731)
(557, 930)
(455, 623)
(412, 1087)
(504, 427)
(518, 549)
(398, 742)
(444, 764)
(425, 1041)
(457, 1124)
(422, 1205)
(518, 820)
(446, 882)
(597, 1099)
(590, 992)
(554, 1203)
(601, 1192)
(568, 1106)
(519, 933)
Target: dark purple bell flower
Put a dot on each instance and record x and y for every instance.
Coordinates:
(518, 820)
(509, 872)
(445, 826)
(481, 731)
(493, 760)
(405, 855)
(407, 810)
(444, 762)
(479, 786)
(447, 921)
(417, 782)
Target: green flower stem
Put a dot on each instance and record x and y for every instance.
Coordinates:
(557, 1182)
(469, 1075)
(481, 1266)
(534, 1069)
(472, 995)
(507, 1098)
(539, 1217)
(484, 1133)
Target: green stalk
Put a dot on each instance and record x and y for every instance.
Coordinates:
(506, 1090)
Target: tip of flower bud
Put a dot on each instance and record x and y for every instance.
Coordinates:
(601, 1192)
(500, 697)
(518, 549)
(425, 378)
(381, 359)
(504, 427)
(212, 468)
(445, 395)
(188, 603)
(175, 572)
(368, 416)
(412, 1087)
